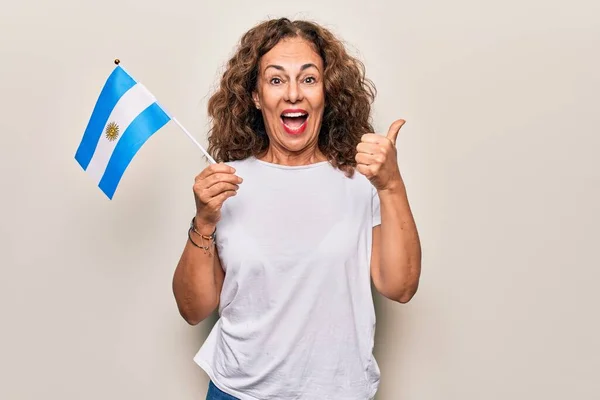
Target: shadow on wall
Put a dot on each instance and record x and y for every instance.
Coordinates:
(199, 338)
(388, 343)
(209, 323)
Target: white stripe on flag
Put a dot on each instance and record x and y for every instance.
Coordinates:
(129, 106)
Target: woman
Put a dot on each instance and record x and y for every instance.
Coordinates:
(286, 236)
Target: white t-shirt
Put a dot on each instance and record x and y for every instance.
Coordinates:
(297, 320)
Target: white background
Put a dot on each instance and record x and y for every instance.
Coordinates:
(499, 154)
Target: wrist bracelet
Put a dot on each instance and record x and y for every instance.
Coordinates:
(205, 248)
(212, 236)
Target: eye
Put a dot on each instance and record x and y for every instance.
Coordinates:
(310, 80)
(275, 81)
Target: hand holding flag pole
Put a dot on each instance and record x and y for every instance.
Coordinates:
(126, 114)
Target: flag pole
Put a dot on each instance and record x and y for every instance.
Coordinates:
(210, 159)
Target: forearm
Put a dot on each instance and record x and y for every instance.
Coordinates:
(400, 249)
(195, 283)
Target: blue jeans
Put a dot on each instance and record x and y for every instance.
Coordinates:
(214, 393)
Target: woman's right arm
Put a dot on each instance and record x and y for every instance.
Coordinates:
(198, 278)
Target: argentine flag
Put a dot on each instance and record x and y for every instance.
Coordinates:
(125, 116)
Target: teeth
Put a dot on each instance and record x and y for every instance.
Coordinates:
(292, 115)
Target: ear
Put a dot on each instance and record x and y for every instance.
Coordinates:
(256, 99)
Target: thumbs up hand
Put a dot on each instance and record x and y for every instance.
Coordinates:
(376, 158)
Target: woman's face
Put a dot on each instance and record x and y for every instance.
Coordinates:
(291, 96)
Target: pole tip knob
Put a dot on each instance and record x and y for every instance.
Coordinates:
(117, 61)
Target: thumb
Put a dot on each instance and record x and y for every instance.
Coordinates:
(395, 129)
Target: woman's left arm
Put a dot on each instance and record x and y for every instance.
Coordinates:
(396, 254)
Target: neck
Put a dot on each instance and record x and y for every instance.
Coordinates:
(277, 156)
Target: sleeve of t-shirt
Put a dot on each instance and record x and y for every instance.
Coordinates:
(375, 207)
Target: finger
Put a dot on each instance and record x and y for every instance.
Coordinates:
(218, 188)
(220, 177)
(215, 168)
(365, 170)
(371, 138)
(368, 148)
(367, 159)
(395, 129)
(220, 199)
(364, 159)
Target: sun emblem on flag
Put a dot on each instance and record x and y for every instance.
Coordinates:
(112, 131)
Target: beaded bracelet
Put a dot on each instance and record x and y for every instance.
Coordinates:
(212, 237)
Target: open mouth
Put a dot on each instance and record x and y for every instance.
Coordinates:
(294, 121)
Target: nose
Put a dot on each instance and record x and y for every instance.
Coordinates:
(294, 92)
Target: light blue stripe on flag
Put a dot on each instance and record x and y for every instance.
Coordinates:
(143, 126)
(117, 84)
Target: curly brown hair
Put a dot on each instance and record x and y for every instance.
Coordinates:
(237, 127)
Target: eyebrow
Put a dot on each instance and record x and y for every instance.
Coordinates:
(302, 68)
